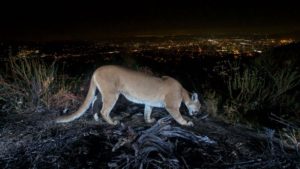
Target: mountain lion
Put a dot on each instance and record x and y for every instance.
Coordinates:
(137, 87)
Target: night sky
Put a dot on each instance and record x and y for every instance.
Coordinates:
(90, 20)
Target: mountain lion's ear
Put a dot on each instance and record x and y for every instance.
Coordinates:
(194, 96)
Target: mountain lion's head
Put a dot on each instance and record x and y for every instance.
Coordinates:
(194, 105)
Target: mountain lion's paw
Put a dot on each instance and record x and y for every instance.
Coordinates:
(96, 117)
(151, 120)
(116, 122)
(190, 123)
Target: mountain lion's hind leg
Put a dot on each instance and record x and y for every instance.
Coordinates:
(147, 114)
(108, 103)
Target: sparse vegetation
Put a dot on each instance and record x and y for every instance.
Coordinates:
(256, 89)
(291, 137)
(33, 85)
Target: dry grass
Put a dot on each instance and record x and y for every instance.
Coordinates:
(33, 85)
(64, 100)
(28, 84)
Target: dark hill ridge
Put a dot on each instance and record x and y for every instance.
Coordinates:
(286, 54)
(290, 48)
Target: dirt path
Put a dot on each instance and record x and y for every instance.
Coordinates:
(33, 140)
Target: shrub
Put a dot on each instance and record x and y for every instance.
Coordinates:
(261, 89)
(31, 84)
(28, 84)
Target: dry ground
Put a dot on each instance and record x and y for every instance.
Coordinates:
(33, 140)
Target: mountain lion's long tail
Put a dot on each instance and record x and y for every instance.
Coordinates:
(86, 104)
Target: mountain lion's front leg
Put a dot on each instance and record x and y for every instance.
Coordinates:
(172, 102)
(147, 114)
(175, 113)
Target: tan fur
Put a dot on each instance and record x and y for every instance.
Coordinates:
(138, 87)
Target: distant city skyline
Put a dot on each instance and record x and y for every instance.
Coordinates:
(92, 21)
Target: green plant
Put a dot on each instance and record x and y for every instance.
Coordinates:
(254, 88)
